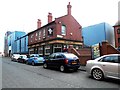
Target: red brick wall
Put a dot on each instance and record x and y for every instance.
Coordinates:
(72, 26)
(106, 48)
(84, 54)
(116, 36)
(46, 34)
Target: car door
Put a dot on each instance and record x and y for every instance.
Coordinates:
(59, 60)
(31, 59)
(51, 59)
(110, 65)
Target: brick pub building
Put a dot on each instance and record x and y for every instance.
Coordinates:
(117, 34)
(56, 35)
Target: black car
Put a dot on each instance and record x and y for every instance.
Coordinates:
(63, 61)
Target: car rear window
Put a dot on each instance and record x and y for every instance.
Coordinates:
(70, 56)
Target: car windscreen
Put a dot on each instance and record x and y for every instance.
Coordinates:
(34, 55)
(70, 56)
(16, 55)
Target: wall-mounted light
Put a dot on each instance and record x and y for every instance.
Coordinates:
(71, 34)
(59, 22)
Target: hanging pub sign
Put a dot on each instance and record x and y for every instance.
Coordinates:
(50, 31)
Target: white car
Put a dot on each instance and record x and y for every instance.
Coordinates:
(15, 57)
(104, 66)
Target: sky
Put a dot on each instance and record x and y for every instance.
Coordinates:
(22, 15)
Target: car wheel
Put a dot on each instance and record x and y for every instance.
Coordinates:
(97, 74)
(45, 65)
(62, 68)
(33, 63)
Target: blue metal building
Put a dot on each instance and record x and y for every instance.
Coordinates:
(12, 46)
(97, 33)
(22, 45)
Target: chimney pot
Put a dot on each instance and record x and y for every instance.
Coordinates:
(69, 9)
(49, 17)
(39, 23)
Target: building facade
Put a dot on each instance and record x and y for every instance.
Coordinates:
(97, 33)
(117, 34)
(56, 35)
(12, 47)
(22, 45)
(6, 41)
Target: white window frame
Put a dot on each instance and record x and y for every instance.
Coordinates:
(44, 32)
(36, 36)
(31, 37)
(63, 30)
(39, 35)
(40, 48)
(47, 47)
(54, 47)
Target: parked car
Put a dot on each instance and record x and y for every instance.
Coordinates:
(14, 57)
(62, 61)
(22, 58)
(104, 66)
(35, 59)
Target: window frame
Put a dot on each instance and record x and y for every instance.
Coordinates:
(63, 30)
(118, 40)
(31, 38)
(39, 35)
(40, 50)
(118, 31)
(110, 61)
(57, 46)
(44, 33)
(47, 47)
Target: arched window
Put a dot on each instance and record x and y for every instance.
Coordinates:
(63, 31)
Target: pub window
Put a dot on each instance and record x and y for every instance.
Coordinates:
(39, 35)
(118, 30)
(47, 50)
(44, 33)
(40, 50)
(63, 31)
(36, 36)
(118, 40)
(31, 37)
(31, 50)
(57, 48)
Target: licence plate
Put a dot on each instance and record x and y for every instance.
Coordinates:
(40, 61)
(74, 63)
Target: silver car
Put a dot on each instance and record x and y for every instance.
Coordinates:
(104, 66)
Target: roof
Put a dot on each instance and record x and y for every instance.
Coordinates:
(117, 23)
(41, 27)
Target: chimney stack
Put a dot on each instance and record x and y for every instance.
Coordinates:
(69, 9)
(39, 23)
(49, 17)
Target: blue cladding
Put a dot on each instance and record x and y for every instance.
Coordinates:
(22, 45)
(12, 41)
(97, 33)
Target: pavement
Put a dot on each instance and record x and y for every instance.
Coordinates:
(82, 68)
